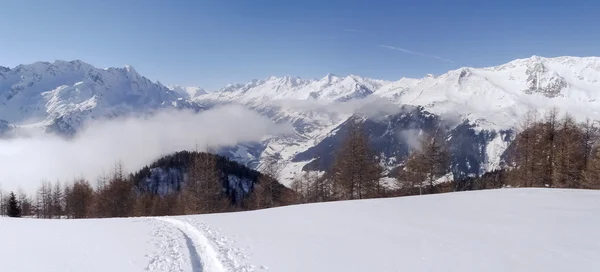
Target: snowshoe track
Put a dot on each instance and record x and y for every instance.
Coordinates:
(199, 247)
(208, 251)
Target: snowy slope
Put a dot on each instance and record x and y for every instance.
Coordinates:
(74, 92)
(507, 230)
(493, 99)
(78, 245)
(187, 92)
(328, 88)
(498, 97)
(305, 103)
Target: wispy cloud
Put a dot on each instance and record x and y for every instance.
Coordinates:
(415, 53)
(353, 30)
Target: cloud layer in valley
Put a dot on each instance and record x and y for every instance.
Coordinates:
(371, 106)
(133, 141)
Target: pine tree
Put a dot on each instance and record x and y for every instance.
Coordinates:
(13, 208)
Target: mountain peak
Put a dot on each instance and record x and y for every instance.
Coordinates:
(190, 92)
(130, 69)
(330, 78)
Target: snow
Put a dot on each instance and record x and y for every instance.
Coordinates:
(74, 245)
(498, 94)
(42, 92)
(492, 98)
(493, 230)
(187, 92)
(493, 151)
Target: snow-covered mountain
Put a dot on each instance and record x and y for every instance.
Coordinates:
(328, 88)
(497, 97)
(481, 106)
(60, 96)
(187, 92)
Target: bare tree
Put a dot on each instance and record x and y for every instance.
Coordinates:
(117, 198)
(570, 157)
(591, 173)
(57, 200)
(426, 165)
(356, 172)
(25, 202)
(79, 199)
(43, 206)
(203, 191)
(310, 187)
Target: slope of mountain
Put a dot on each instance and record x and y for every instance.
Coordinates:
(481, 107)
(61, 96)
(498, 97)
(187, 92)
(329, 88)
(491, 230)
(169, 174)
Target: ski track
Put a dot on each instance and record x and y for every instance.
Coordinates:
(207, 250)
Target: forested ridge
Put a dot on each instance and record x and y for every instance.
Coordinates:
(552, 151)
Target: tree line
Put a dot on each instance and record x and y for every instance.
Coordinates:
(357, 171)
(121, 195)
(553, 151)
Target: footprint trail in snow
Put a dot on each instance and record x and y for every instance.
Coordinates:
(207, 251)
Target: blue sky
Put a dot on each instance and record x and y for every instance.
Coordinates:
(211, 43)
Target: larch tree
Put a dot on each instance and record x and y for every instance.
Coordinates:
(569, 156)
(355, 172)
(43, 206)
(591, 174)
(524, 149)
(117, 197)
(412, 174)
(25, 203)
(203, 190)
(79, 199)
(434, 158)
(57, 199)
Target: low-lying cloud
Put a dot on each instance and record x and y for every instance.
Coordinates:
(371, 106)
(136, 142)
(412, 137)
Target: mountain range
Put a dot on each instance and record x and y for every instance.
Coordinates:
(481, 108)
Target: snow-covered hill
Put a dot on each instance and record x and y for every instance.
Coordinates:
(507, 230)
